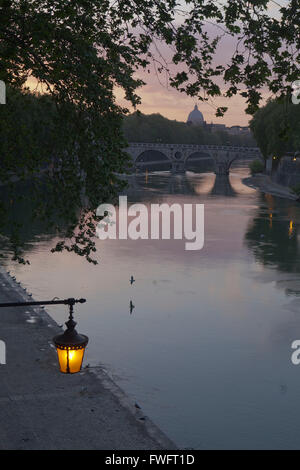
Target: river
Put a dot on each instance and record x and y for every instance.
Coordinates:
(206, 351)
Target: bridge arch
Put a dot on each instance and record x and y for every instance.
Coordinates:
(198, 155)
(152, 155)
(178, 155)
(223, 162)
(175, 157)
(153, 159)
(199, 160)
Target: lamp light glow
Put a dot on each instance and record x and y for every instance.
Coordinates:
(70, 360)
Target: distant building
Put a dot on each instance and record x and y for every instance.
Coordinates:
(238, 130)
(195, 117)
(217, 127)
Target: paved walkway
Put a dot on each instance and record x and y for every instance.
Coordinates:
(267, 185)
(40, 408)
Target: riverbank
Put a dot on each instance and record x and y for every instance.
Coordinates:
(265, 184)
(40, 408)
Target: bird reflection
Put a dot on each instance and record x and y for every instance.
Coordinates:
(131, 307)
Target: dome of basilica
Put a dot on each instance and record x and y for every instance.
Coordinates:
(195, 117)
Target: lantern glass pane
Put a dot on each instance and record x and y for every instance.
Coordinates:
(71, 357)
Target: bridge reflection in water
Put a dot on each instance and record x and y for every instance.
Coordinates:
(209, 184)
(222, 186)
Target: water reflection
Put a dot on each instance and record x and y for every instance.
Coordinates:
(188, 183)
(163, 183)
(222, 187)
(208, 354)
(272, 235)
(29, 215)
(131, 307)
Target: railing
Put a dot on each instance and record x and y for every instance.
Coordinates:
(194, 146)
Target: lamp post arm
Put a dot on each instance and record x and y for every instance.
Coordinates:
(70, 302)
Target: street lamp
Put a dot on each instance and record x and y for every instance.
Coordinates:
(70, 345)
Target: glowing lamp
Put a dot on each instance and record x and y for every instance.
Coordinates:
(70, 345)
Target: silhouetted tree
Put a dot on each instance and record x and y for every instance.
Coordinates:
(81, 51)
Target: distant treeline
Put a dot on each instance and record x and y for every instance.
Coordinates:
(139, 127)
(27, 131)
(31, 131)
(276, 127)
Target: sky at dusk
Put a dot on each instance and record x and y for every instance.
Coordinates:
(159, 97)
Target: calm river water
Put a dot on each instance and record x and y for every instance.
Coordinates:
(206, 352)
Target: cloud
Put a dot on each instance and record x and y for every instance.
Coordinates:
(175, 105)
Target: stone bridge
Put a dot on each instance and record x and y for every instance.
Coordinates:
(176, 155)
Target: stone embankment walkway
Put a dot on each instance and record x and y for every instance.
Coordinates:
(40, 408)
(267, 185)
